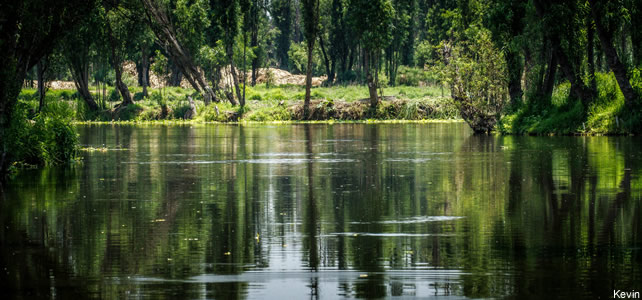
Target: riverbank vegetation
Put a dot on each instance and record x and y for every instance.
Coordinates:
(283, 103)
(517, 67)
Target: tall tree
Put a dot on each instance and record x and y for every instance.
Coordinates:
(282, 14)
(228, 18)
(603, 14)
(338, 33)
(372, 24)
(253, 22)
(30, 29)
(117, 33)
(558, 17)
(160, 22)
(310, 10)
(505, 20)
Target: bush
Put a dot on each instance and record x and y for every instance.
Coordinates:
(49, 139)
(477, 75)
(138, 96)
(423, 53)
(65, 95)
(114, 95)
(60, 108)
(180, 111)
(129, 112)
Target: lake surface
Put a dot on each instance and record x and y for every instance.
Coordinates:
(326, 211)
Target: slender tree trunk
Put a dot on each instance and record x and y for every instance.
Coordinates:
(118, 68)
(42, 82)
(514, 77)
(372, 87)
(578, 88)
(616, 65)
(308, 80)
(549, 80)
(351, 57)
(144, 66)
(329, 70)
(235, 78)
(242, 100)
(254, 41)
(590, 33)
(80, 73)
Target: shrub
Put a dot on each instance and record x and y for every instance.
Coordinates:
(60, 108)
(179, 112)
(49, 139)
(423, 53)
(65, 95)
(129, 112)
(477, 76)
(114, 95)
(138, 96)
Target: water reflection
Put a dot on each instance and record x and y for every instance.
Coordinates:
(347, 210)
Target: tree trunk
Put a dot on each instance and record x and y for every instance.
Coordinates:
(242, 100)
(235, 78)
(254, 42)
(329, 70)
(616, 65)
(549, 80)
(590, 34)
(42, 82)
(80, 72)
(372, 87)
(175, 75)
(144, 72)
(578, 88)
(164, 31)
(308, 80)
(514, 78)
(118, 68)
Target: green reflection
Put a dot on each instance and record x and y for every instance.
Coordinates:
(354, 210)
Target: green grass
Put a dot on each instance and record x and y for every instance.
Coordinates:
(280, 104)
(607, 114)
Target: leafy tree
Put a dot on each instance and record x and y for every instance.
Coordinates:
(372, 25)
(311, 22)
(505, 20)
(402, 34)
(118, 31)
(477, 76)
(227, 16)
(30, 29)
(165, 31)
(282, 14)
(604, 14)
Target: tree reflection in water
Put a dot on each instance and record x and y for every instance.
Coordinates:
(326, 211)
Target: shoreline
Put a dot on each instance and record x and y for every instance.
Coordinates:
(332, 122)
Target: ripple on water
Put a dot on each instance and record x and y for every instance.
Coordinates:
(291, 161)
(414, 220)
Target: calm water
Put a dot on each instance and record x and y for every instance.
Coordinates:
(327, 211)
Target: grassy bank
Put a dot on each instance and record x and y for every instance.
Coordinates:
(284, 103)
(561, 115)
(607, 114)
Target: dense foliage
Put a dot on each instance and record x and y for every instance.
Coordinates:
(526, 65)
